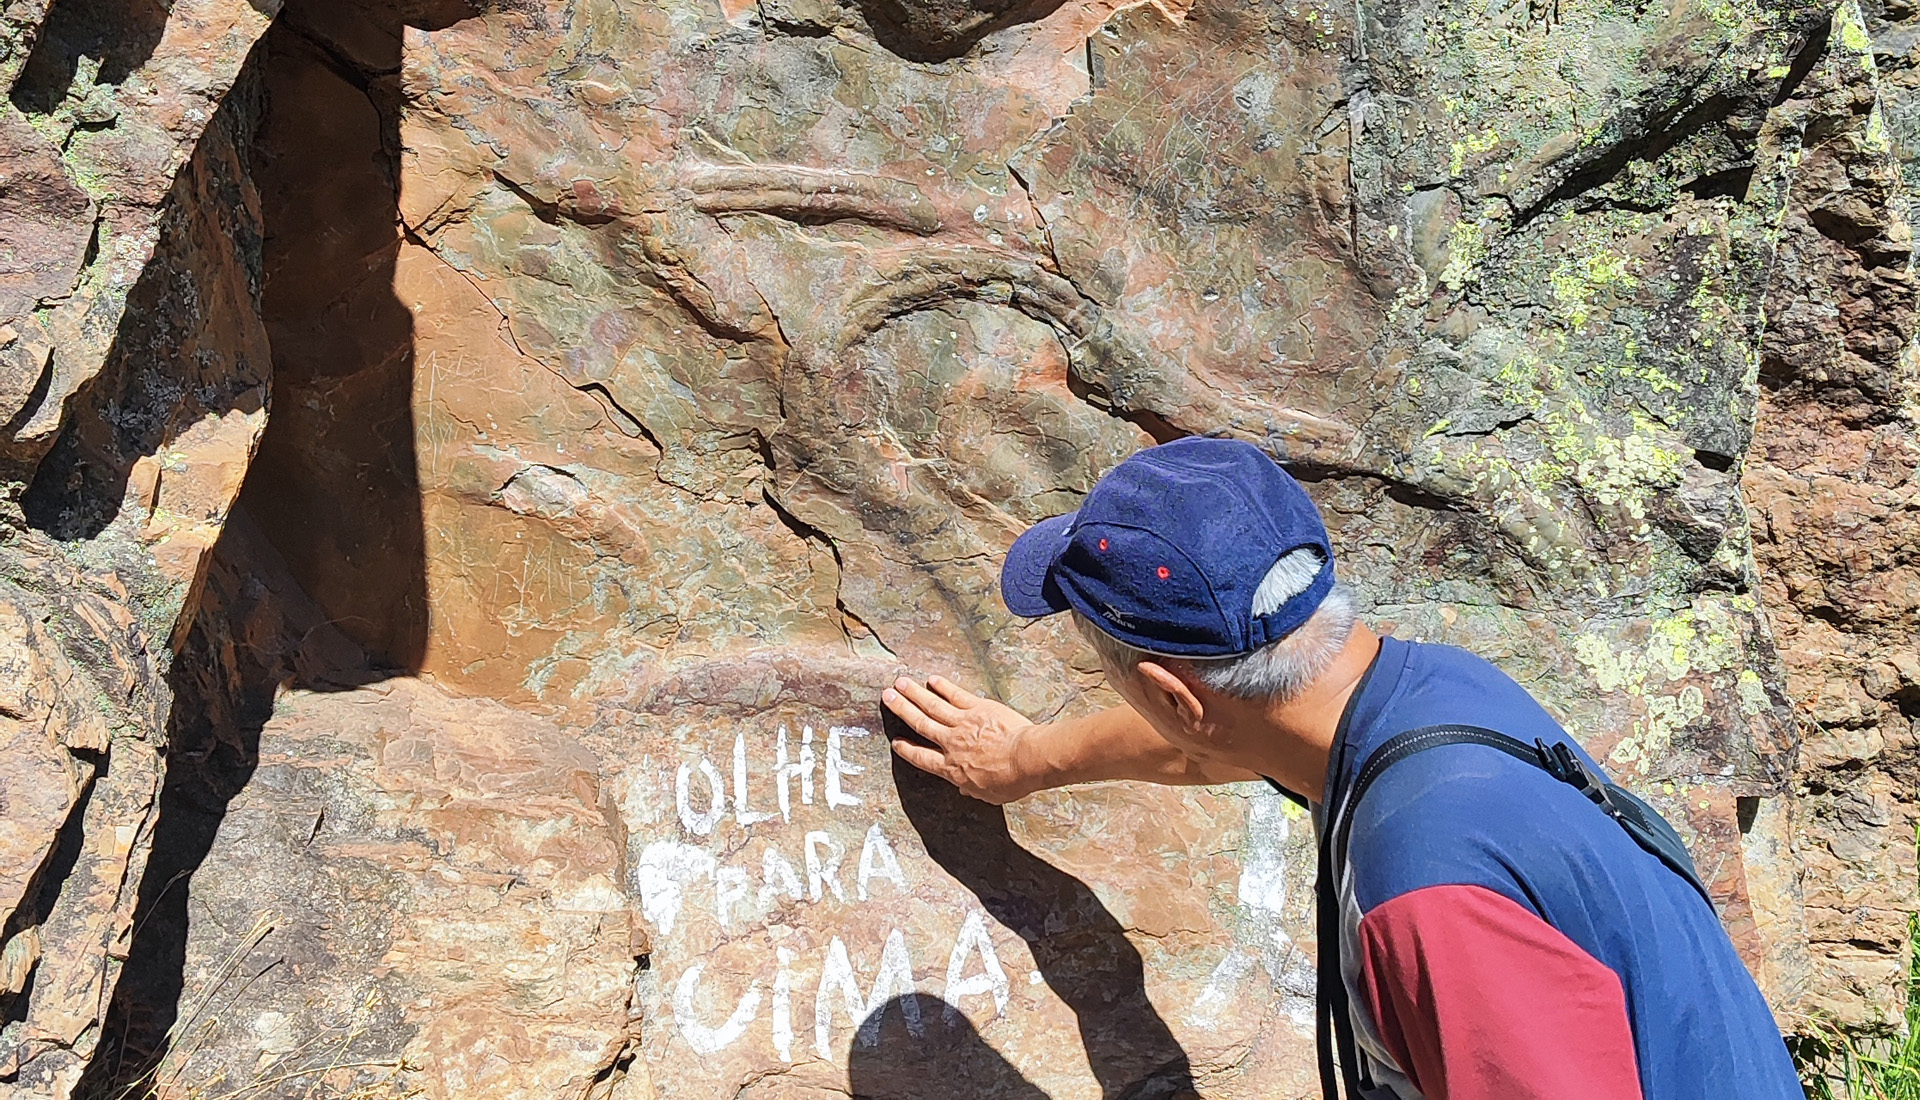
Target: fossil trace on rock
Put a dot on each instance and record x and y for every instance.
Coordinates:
(490, 707)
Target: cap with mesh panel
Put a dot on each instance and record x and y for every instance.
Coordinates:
(1170, 551)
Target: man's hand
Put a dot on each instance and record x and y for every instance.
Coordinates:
(992, 753)
(976, 743)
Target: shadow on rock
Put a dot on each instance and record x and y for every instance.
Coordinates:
(254, 632)
(940, 30)
(117, 35)
(318, 578)
(1078, 946)
(213, 746)
(949, 1060)
(185, 349)
(335, 486)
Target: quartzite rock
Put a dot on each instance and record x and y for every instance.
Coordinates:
(1832, 482)
(756, 348)
(132, 390)
(123, 95)
(82, 769)
(468, 875)
(656, 380)
(46, 221)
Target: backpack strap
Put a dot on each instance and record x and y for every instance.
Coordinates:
(1641, 821)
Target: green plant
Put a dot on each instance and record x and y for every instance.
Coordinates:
(1839, 1066)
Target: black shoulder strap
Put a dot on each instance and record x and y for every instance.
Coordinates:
(1641, 821)
(1287, 794)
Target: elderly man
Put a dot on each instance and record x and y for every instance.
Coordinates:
(1507, 925)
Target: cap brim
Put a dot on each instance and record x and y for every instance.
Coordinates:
(1026, 580)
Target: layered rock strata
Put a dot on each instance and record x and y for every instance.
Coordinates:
(1831, 481)
(133, 385)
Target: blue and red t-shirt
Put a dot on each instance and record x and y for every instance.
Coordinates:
(1503, 939)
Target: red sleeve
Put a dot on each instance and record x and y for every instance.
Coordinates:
(1479, 999)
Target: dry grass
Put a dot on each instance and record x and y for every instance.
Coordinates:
(322, 1067)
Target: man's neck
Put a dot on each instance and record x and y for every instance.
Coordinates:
(1292, 741)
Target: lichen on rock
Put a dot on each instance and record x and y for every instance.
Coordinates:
(469, 468)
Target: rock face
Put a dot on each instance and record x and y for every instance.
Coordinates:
(78, 715)
(1831, 480)
(452, 562)
(133, 384)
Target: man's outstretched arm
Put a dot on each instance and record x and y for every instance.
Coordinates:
(992, 752)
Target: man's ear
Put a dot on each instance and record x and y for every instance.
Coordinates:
(1180, 696)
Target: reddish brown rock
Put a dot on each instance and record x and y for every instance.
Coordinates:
(123, 95)
(690, 387)
(1832, 482)
(46, 221)
(468, 873)
(651, 382)
(131, 394)
(79, 710)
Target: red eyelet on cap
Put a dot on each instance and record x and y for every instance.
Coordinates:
(1103, 544)
(1164, 572)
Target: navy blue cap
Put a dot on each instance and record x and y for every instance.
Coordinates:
(1170, 547)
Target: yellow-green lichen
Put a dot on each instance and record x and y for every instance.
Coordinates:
(1852, 32)
(1699, 639)
(50, 127)
(1713, 310)
(1473, 144)
(1630, 366)
(1522, 512)
(1694, 645)
(1466, 247)
(1666, 716)
(1613, 670)
(79, 165)
(1734, 554)
(1753, 693)
(1620, 472)
(1616, 471)
(1875, 139)
(1738, 16)
(1577, 278)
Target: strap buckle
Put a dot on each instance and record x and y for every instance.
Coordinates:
(1562, 764)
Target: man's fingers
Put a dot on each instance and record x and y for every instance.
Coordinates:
(930, 704)
(913, 716)
(922, 757)
(953, 693)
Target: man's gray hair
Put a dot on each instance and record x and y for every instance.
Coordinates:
(1279, 671)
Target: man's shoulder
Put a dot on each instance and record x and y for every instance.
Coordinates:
(1468, 815)
(1451, 663)
(1445, 685)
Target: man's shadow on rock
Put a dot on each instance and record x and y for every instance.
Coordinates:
(944, 1062)
(1078, 946)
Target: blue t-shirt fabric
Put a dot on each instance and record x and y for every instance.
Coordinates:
(1471, 815)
